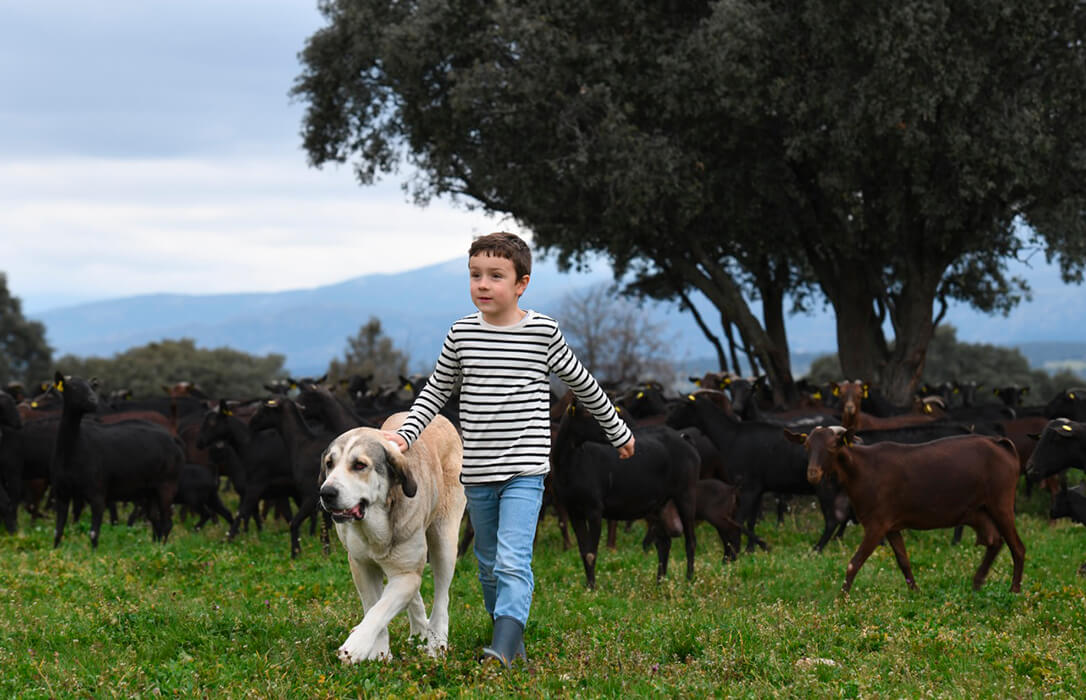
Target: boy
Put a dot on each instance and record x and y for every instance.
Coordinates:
(503, 356)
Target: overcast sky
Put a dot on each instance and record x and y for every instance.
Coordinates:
(151, 146)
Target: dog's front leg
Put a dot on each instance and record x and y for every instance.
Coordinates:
(363, 644)
(369, 581)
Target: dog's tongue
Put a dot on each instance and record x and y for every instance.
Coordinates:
(357, 513)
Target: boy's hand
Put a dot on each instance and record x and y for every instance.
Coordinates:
(627, 450)
(396, 438)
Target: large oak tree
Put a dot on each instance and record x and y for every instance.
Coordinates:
(887, 156)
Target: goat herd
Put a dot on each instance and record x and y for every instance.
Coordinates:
(946, 462)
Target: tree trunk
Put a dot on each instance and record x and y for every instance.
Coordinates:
(725, 294)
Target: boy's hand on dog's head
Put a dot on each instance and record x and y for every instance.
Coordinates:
(395, 438)
(627, 450)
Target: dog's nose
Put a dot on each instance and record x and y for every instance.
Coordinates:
(329, 493)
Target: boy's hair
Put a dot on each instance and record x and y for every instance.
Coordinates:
(504, 245)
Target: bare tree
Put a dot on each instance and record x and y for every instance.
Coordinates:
(614, 338)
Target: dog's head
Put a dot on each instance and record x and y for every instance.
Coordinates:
(359, 469)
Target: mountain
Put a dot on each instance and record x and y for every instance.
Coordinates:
(311, 326)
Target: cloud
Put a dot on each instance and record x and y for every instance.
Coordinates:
(92, 228)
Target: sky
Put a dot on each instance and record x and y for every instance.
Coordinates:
(151, 146)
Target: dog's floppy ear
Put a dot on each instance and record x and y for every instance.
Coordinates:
(397, 466)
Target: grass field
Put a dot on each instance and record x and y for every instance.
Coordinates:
(203, 617)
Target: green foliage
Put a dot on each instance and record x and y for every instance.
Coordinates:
(204, 617)
(25, 357)
(370, 353)
(220, 373)
(988, 365)
(881, 154)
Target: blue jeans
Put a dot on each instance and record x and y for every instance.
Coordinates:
(504, 517)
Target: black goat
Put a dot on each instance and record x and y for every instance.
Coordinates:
(11, 463)
(263, 457)
(98, 463)
(304, 446)
(591, 483)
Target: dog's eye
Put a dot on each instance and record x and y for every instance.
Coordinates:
(359, 465)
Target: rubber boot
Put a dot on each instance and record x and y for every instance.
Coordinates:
(508, 642)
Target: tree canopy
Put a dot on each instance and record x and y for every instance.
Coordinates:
(25, 356)
(145, 370)
(370, 353)
(886, 157)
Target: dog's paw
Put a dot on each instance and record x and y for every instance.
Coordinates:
(435, 645)
(356, 650)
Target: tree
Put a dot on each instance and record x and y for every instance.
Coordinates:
(878, 155)
(370, 352)
(615, 340)
(25, 356)
(221, 372)
(990, 366)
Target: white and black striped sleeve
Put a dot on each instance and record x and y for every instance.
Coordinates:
(569, 369)
(438, 389)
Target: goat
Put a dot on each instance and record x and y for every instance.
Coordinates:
(969, 479)
(591, 484)
(304, 446)
(264, 461)
(129, 461)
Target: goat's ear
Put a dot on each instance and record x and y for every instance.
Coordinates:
(850, 438)
(58, 379)
(835, 388)
(1065, 430)
(397, 466)
(224, 409)
(798, 438)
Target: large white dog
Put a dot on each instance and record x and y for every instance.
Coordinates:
(390, 509)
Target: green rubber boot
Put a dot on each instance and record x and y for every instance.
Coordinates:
(508, 642)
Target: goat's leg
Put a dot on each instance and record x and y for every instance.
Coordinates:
(62, 503)
(1004, 522)
(685, 505)
(663, 553)
(250, 506)
(749, 504)
(588, 553)
(306, 509)
(872, 537)
(612, 534)
(898, 544)
(98, 511)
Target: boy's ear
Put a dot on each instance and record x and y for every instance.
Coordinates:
(522, 284)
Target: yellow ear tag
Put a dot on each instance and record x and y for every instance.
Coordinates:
(60, 386)
(272, 403)
(927, 408)
(228, 412)
(817, 396)
(697, 382)
(640, 394)
(408, 387)
(1071, 395)
(865, 392)
(1066, 427)
(836, 391)
(691, 397)
(726, 381)
(33, 404)
(844, 440)
(618, 409)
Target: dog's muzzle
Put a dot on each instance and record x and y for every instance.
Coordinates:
(330, 502)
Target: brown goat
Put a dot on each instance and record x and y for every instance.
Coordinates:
(969, 479)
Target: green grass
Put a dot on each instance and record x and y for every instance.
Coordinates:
(203, 617)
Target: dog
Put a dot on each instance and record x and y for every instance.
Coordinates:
(391, 509)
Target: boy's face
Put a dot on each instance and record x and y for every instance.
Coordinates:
(495, 288)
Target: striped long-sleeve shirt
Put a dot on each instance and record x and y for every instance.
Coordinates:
(505, 395)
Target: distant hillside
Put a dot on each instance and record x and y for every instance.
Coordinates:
(311, 326)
